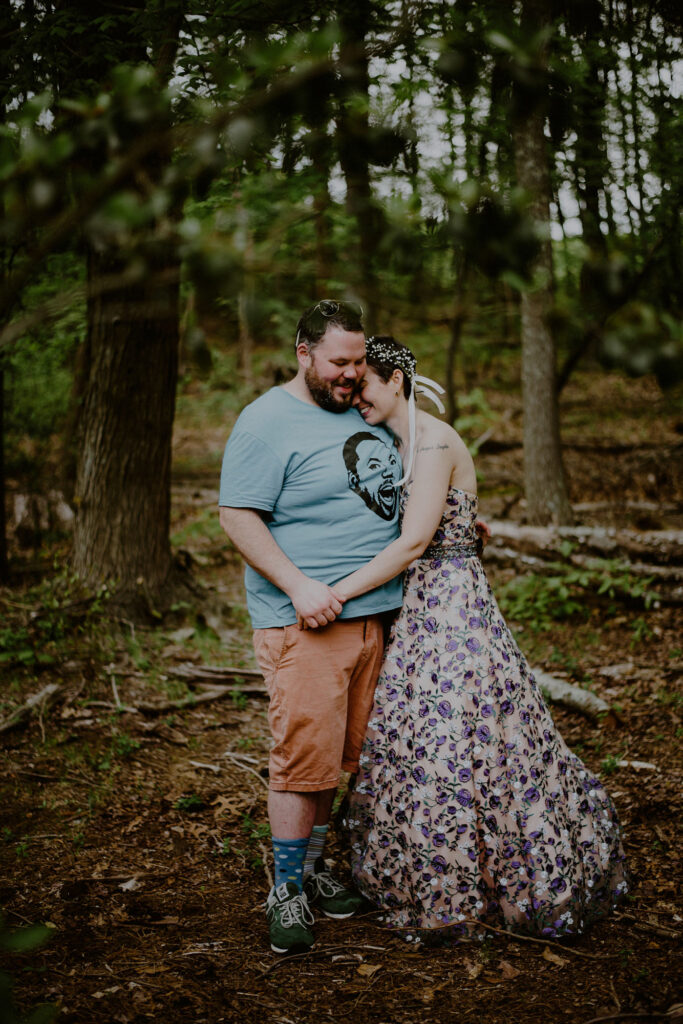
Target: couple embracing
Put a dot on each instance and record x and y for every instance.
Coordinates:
(468, 807)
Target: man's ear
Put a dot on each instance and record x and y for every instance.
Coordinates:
(303, 355)
(353, 480)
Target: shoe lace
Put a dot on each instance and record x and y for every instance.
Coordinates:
(295, 911)
(326, 884)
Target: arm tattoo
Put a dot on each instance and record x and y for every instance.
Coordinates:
(434, 447)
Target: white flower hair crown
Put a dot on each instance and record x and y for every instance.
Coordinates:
(399, 356)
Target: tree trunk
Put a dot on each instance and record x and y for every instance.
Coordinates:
(4, 561)
(544, 482)
(130, 373)
(455, 339)
(352, 131)
(123, 477)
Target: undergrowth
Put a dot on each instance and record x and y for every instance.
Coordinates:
(565, 591)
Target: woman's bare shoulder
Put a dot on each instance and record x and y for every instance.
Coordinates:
(436, 433)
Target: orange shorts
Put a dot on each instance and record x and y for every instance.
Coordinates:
(321, 684)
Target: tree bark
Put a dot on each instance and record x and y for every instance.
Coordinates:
(4, 561)
(544, 482)
(455, 338)
(129, 377)
(352, 133)
(123, 481)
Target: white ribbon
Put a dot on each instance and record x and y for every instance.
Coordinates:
(429, 388)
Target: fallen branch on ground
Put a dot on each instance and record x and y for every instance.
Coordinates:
(212, 673)
(570, 696)
(516, 937)
(37, 703)
(215, 693)
(354, 947)
(630, 1016)
(647, 926)
(246, 768)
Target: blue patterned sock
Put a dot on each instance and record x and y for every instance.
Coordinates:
(316, 845)
(289, 856)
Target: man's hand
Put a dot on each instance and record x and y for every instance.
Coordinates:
(315, 604)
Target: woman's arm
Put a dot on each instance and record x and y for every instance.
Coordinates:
(428, 489)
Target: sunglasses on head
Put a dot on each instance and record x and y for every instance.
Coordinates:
(328, 308)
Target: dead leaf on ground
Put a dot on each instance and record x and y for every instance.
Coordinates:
(228, 806)
(508, 971)
(106, 992)
(368, 970)
(553, 958)
(130, 885)
(131, 826)
(473, 970)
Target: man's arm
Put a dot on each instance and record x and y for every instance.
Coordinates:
(314, 602)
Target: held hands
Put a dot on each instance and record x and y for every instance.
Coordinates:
(315, 603)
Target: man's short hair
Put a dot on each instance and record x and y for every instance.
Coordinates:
(315, 320)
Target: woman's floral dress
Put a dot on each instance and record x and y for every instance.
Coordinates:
(468, 804)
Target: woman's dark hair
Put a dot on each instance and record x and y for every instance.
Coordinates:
(384, 354)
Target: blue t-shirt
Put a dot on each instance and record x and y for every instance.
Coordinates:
(324, 482)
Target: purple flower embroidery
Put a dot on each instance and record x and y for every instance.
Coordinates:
(430, 624)
(472, 644)
(444, 708)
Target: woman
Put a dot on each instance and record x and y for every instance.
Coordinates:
(468, 807)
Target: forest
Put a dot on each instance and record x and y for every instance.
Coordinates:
(499, 185)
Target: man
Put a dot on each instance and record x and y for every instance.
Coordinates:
(302, 519)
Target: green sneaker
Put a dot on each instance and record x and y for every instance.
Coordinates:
(323, 890)
(289, 918)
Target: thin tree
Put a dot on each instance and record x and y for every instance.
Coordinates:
(544, 481)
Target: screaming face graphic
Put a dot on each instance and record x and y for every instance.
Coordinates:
(373, 469)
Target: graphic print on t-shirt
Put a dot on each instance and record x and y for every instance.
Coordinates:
(373, 469)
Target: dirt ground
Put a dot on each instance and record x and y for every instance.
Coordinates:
(139, 836)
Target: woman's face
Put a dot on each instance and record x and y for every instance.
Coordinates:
(376, 398)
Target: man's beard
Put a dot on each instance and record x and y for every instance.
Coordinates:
(322, 393)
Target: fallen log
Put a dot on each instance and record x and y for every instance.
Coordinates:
(654, 547)
(507, 556)
(38, 702)
(558, 691)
